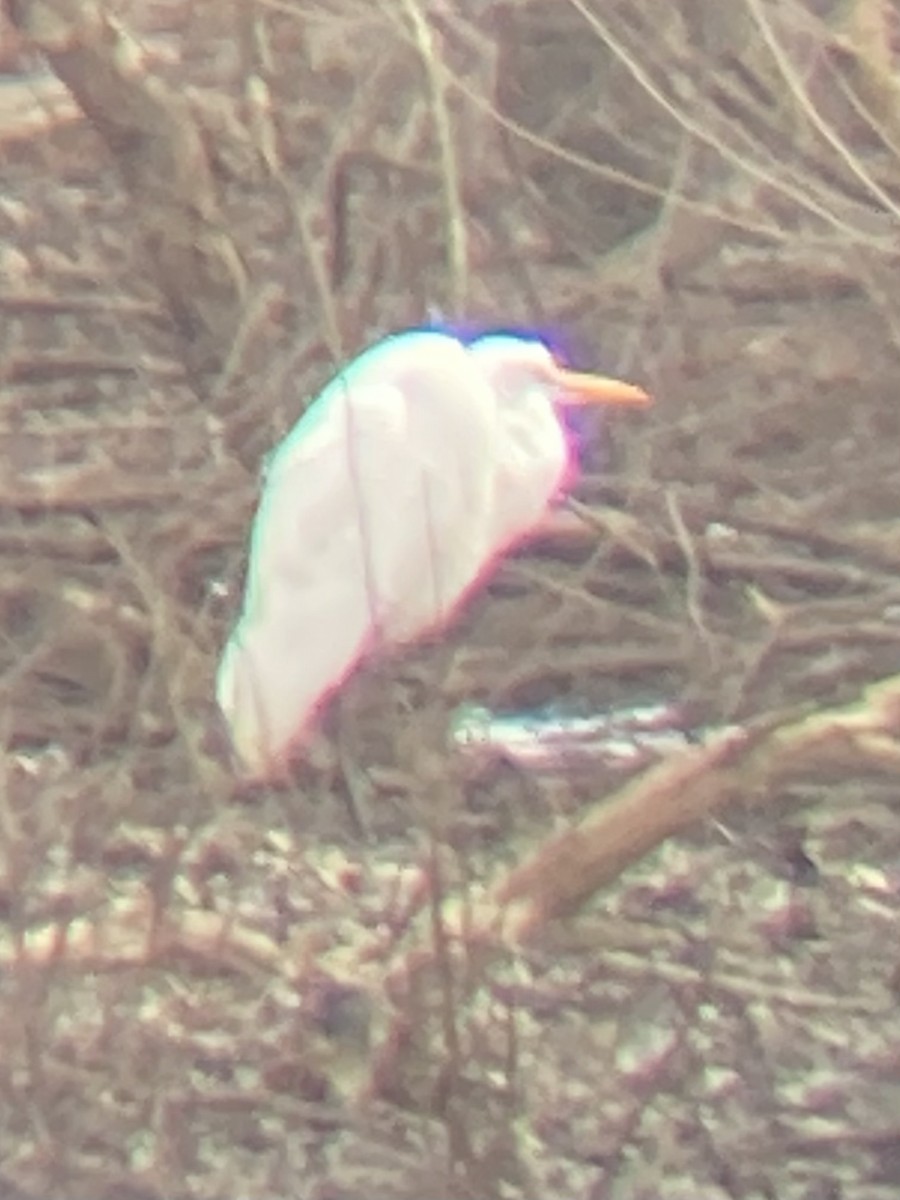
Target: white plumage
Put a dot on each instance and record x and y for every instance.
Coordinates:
(416, 466)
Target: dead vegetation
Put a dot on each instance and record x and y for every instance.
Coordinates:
(389, 980)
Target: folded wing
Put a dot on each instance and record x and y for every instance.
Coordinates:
(373, 524)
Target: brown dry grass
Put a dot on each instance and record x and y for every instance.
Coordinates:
(363, 985)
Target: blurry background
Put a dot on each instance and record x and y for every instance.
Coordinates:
(205, 208)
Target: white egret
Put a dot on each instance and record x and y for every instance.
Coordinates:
(419, 464)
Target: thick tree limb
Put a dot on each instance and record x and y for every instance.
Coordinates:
(160, 152)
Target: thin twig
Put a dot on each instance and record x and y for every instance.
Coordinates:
(457, 241)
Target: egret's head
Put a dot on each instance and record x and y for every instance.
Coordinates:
(520, 366)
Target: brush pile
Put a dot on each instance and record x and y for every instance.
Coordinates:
(389, 979)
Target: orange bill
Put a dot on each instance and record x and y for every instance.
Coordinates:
(578, 387)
